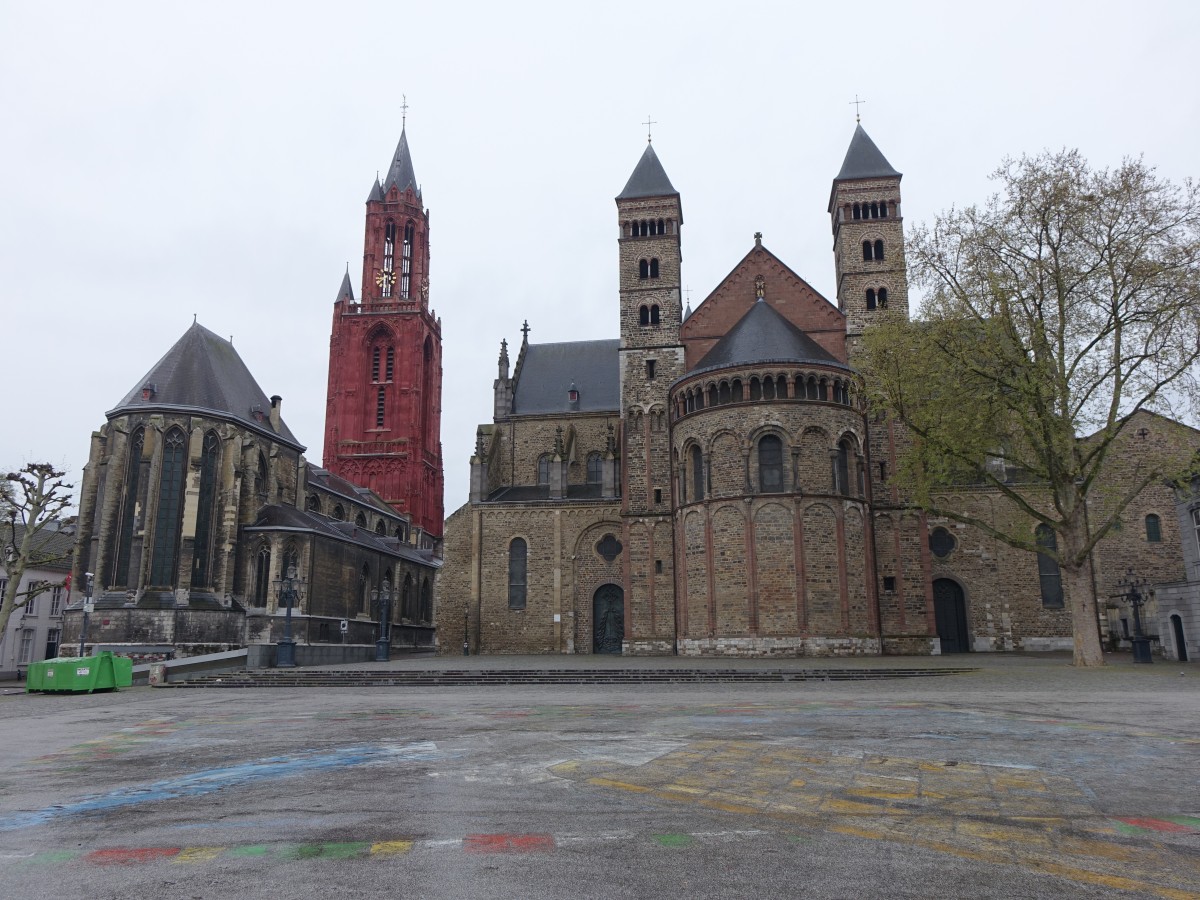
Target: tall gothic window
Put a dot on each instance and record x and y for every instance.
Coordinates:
(380, 405)
(260, 479)
(841, 468)
(1048, 572)
(210, 458)
(406, 261)
(770, 464)
(391, 363)
(170, 509)
(389, 257)
(364, 589)
(427, 398)
(543, 469)
(697, 473)
(262, 575)
(518, 558)
(595, 468)
(120, 575)
(1153, 529)
(375, 363)
(426, 601)
(406, 598)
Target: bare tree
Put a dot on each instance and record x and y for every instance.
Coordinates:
(1056, 313)
(32, 501)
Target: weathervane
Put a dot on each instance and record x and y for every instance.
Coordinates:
(648, 123)
(857, 104)
(403, 111)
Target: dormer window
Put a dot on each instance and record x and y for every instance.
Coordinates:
(149, 390)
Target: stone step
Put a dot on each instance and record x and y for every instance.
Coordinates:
(488, 677)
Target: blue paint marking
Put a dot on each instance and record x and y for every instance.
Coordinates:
(211, 780)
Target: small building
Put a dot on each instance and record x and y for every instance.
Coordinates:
(34, 630)
(1177, 603)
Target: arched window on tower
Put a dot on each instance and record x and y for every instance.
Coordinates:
(883, 209)
(202, 558)
(770, 464)
(867, 251)
(518, 573)
(389, 258)
(169, 515)
(380, 405)
(857, 211)
(879, 249)
(654, 267)
(883, 298)
(391, 363)
(644, 315)
(874, 210)
(429, 435)
(697, 473)
(871, 298)
(654, 315)
(406, 260)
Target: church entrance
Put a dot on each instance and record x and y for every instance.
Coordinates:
(950, 614)
(608, 619)
(1180, 643)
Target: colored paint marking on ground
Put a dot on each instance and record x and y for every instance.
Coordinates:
(124, 856)
(207, 781)
(673, 840)
(508, 843)
(1170, 825)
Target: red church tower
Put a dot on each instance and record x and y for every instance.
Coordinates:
(383, 415)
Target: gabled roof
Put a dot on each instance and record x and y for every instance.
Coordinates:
(863, 160)
(649, 179)
(336, 484)
(548, 370)
(401, 172)
(764, 335)
(202, 373)
(346, 290)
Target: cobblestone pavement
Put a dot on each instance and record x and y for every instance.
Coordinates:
(1025, 779)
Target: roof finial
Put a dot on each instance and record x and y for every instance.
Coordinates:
(348, 261)
(525, 332)
(193, 318)
(758, 239)
(648, 123)
(403, 111)
(857, 104)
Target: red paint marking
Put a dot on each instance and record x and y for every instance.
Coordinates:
(508, 843)
(124, 856)
(1159, 825)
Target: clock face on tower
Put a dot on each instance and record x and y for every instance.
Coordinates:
(385, 278)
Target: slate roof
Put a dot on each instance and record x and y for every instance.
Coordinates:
(348, 489)
(376, 193)
(863, 160)
(649, 179)
(548, 370)
(54, 544)
(401, 172)
(204, 374)
(276, 516)
(764, 335)
(346, 291)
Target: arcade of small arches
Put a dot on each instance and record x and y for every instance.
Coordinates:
(595, 468)
(796, 386)
(876, 209)
(648, 228)
(771, 462)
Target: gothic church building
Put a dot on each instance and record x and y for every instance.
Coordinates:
(710, 482)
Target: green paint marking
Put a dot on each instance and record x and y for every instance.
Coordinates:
(1129, 829)
(54, 856)
(799, 839)
(327, 851)
(673, 840)
(250, 850)
(1194, 821)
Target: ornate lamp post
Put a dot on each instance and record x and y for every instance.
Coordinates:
(466, 633)
(383, 597)
(1135, 595)
(289, 591)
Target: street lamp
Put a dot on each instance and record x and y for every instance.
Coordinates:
(383, 597)
(466, 636)
(289, 591)
(1135, 594)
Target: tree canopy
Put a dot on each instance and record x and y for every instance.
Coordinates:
(1053, 315)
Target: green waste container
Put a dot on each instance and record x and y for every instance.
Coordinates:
(75, 675)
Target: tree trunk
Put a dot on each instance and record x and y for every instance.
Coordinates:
(1082, 601)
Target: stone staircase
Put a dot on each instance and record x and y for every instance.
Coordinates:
(292, 678)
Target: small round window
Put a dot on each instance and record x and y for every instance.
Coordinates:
(941, 543)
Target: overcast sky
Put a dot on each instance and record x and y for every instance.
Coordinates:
(163, 159)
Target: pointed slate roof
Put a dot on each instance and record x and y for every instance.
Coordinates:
(863, 160)
(376, 192)
(549, 370)
(649, 179)
(204, 374)
(401, 172)
(764, 335)
(346, 291)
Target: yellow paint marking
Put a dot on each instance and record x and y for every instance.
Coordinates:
(861, 832)
(882, 795)
(1112, 881)
(391, 848)
(683, 789)
(197, 854)
(620, 785)
(847, 806)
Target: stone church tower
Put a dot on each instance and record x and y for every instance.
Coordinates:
(383, 414)
(651, 357)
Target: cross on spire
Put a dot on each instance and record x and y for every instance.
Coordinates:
(648, 123)
(525, 332)
(403, 111)
(857, 104)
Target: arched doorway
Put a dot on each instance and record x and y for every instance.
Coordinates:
(950, 614)
(608, 619)
(1180, 644)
